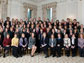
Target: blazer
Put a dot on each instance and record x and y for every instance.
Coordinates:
(6, 42)
(21, 41)
(67, 42)
(80, 42)
(74, 43)
(52, 42)
(32, 41)
(46, 41)
(60, 42)
(14, 42)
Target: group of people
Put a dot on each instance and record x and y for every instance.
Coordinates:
(38, 35)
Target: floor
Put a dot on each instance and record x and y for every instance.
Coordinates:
(41, 59)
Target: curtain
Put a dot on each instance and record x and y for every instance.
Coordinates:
(48, 14)
(29, 13)
(33, 9)
(45, 11)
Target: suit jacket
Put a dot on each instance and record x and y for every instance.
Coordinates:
(46, 41)
(59, 42)
(67, 42)
(21, 41)
(6, 42)
(52, 42)
(5, 23)
(31, 42)
(75, 42)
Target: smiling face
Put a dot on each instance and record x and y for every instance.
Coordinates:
(66, 36)
(59, 35)
(32, 34)
(8, 36)
(23, 35)
(52, 36)
(44, 34)
(15, 35)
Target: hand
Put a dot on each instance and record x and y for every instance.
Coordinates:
(0, 45)
(23, 45)
(67, 46)
(7, 46)
(16, 46)
(52, 46)
(72, 46)
(42, 45)
(58, 45)
(81, 47)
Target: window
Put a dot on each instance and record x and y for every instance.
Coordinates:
(49, 13)
(29, 13)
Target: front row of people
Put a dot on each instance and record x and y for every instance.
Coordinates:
(19, 47)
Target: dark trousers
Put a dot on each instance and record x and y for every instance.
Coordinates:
(38, 46)
(22, 50)
(67, 51)
(15, 51)
(73, 51)
(59, 50)
(45, 50)
(53, 51)
(81, 51)
(6, 50)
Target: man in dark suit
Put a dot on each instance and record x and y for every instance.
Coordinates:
(7, 22)
(37, 40)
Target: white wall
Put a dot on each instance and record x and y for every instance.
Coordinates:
(0, 10)
(39, 11)
(16, 9)
(68, 9)
(64, 9)
(82, 12)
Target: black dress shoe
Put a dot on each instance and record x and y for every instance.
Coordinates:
(4, 56)
(19, 55)
(16, 56)
(53, 55)
(46, 56)
(68, 55)
(32, 55)
(73, 55)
